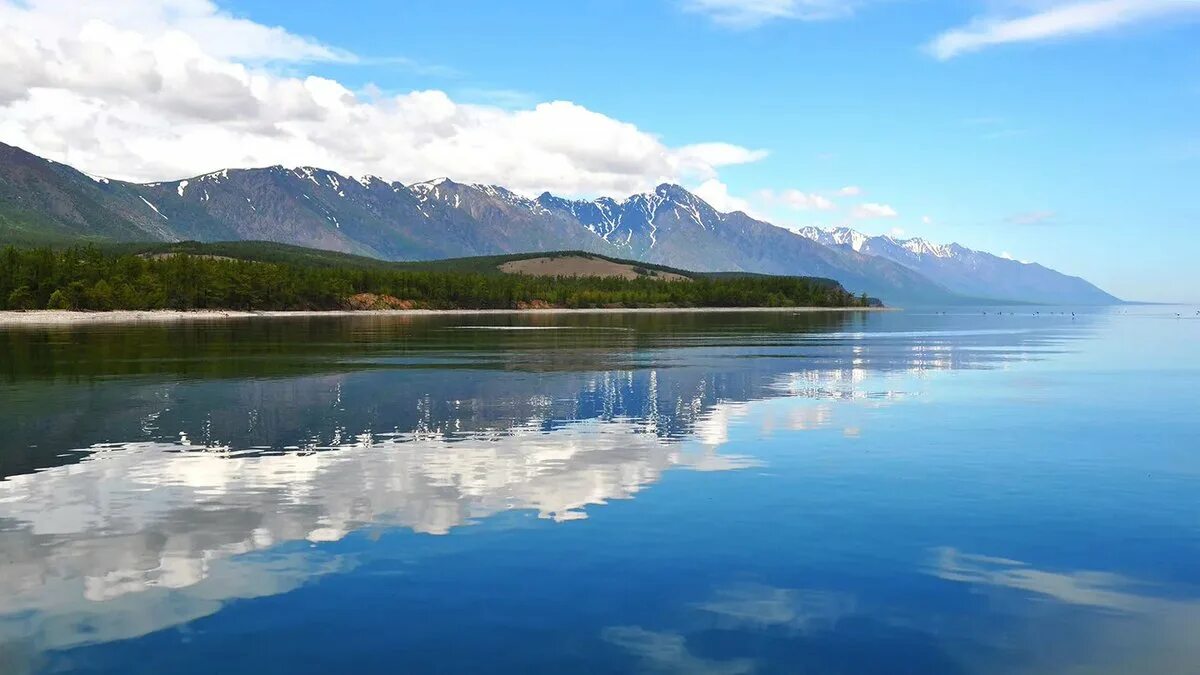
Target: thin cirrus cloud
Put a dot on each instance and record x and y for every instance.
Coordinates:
(1056, 21)
(171, 88)
(1022, 22)
(751, 13)
(1032, 218)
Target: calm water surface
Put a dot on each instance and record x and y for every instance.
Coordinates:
(915, 492)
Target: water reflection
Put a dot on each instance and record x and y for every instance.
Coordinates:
(750, 627)
(315, 382)
(664, 652)
(147, 517)
(1109, 623)
(1034, 621)
(759, 605)
(154, 473)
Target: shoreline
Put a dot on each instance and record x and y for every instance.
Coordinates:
(53, 317)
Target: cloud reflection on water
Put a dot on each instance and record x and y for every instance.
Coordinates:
(1081, 621)
(140, 536)
(218, 481)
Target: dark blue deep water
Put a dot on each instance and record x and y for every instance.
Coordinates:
(854, 493)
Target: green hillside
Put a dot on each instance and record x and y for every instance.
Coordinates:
(268, 276)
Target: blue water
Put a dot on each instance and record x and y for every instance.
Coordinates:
(909, 492)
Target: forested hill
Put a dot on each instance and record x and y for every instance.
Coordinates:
(248, 276)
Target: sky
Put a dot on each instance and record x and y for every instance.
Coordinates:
(1065, 132)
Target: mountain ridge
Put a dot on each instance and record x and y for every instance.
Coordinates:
(967, 271)
(438, 218)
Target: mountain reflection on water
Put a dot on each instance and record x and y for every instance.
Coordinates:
(154, 473)
(321, 382)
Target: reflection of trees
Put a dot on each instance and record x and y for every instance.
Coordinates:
(310, 383)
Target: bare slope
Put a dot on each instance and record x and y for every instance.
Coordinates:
(584, 266)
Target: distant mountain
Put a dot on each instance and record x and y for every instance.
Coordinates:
(966, 271)
(41, 200)
(319, 208)
(672, 226)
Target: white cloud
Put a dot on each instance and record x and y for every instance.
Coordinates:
(1058, 20)
(926, 220)
(720, 154)
(717, 195)
(172, 88)
(871, 210)
(850, 191)
(797, 199)
(750, 13)
(223, 35)
(897, 232)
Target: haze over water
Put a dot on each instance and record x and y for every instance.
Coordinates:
(898, 492)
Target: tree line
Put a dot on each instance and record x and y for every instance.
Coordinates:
(90, 278)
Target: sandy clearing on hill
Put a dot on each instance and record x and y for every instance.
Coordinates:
(583, 266)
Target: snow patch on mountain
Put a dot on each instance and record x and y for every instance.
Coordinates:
(511, 198)
(855, 240)
(153, 207)
(215, 176)
(306, 172)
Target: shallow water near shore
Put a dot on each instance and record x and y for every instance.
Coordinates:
(56, 317)
(931, 491)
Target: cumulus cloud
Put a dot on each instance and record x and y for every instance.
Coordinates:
(927, 220)
(172, 88)
(223, 35)
(720, 154)
(872, 210)
(750, 13)
(1058, 20)
(717, 195)
(797, 199)
(850, 191)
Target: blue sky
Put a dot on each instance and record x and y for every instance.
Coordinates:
(1062, 132)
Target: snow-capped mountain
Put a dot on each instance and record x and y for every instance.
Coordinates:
(672, 226)
(844, 236)
(632, 224)
(966, 271)
(42, 200)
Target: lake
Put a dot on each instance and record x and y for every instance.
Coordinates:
(926, 491)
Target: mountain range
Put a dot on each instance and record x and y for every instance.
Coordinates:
(966, 271)
(45, 201)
